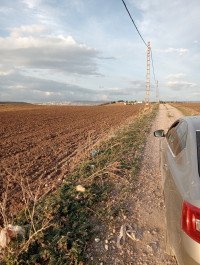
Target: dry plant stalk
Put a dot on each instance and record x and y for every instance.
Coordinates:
(30, 200)
(111, 169)
(3, 206)
(45, 225)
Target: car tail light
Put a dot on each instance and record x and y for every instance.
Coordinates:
(191, 221)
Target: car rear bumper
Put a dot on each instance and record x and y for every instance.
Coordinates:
(189, 251)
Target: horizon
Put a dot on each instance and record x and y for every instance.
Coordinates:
(84, 102)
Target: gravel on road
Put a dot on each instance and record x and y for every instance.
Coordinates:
(149, 206)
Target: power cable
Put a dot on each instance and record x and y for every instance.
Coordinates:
(153, 66)
(134, 23)
(141, 38)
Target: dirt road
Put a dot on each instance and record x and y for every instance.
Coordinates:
(149, 200)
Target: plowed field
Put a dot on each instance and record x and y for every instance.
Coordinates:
(192, 106)
(40, 144)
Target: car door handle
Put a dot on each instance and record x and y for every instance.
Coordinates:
(165, 167)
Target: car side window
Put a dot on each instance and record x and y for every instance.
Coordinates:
(181, 133)
(171, 137)
(177, 138)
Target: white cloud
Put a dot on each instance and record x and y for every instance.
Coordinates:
(31, 3)
(103, 97)
(138, 84)
(4, 73)
(23, 88)
(180, 85)
(113, 89)
(180, 51)
(48, 93)
(59, 53)
(28, 30)
(15, 41)
(196, 94)
(5, 10)
(175, 76)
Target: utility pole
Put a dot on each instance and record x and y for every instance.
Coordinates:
(157, 93)
(148, 76)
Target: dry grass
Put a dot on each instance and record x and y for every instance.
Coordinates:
(188, 109)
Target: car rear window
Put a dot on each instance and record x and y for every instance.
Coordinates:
(198, 149)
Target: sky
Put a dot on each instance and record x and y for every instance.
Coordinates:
(72, 50)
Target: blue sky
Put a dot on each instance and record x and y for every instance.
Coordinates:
(71, 50)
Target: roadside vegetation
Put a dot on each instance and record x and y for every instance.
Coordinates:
(59, 226)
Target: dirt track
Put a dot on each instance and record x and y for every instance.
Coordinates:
(41, 142)
(149, 199)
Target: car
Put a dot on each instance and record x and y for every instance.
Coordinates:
(180, 168)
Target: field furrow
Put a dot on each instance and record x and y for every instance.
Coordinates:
(45, 142)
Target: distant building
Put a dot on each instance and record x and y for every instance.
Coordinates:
(139, 102)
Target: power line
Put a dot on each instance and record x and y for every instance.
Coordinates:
(141, 38)
(134, 24)
(153, 66)
(148, 76)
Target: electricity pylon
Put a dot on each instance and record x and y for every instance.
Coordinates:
(148, 76)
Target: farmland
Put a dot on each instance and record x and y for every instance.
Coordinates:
(188, 108)
(44, 142)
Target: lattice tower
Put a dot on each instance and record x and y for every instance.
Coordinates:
(148, 76)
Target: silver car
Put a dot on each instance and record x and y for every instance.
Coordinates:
(180, 166)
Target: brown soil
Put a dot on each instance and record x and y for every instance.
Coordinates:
(191, 106)
(43, 143)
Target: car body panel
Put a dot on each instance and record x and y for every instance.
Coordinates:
(181, 182)
(190, 246)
